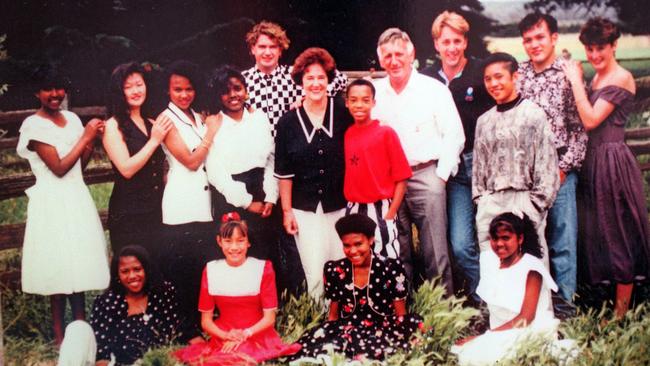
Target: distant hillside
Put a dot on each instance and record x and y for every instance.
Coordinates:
(509, 12)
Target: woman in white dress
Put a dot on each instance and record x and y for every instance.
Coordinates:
(188, 228)
(64, 250)
(517, 287)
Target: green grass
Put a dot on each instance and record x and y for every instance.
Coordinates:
(629, 50)
(625, 342)
(27, 323)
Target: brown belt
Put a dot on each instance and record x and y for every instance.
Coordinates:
(421, 166)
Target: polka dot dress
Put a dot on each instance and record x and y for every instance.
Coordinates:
(129, 337)
(367, 325)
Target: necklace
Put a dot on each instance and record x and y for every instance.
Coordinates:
(140, 307)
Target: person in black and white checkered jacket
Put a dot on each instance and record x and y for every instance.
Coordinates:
(269, 84)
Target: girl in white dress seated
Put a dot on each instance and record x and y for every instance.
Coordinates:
(517, 289)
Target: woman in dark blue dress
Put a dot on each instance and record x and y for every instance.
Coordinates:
(132, 141)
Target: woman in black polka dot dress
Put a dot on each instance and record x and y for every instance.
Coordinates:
(367, 314)
(136, 313)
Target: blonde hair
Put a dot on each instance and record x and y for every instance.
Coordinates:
(269, 29)
(449, 19)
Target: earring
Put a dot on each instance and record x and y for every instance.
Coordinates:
(521, 250)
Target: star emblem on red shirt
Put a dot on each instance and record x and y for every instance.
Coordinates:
(354, 160)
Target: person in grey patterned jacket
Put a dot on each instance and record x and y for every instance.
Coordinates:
(515, 159)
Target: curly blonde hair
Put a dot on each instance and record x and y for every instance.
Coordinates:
(269, 29)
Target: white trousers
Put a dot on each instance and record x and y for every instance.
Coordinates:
(518, 202)
(79, 346)
(317, 243)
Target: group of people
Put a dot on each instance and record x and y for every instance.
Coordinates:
(513, 166)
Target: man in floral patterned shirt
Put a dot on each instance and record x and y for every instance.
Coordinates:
(543, 82)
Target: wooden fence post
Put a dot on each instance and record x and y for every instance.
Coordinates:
(2, 344)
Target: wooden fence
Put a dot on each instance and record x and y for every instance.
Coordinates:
(11, 235)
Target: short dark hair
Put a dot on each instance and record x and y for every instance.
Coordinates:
(533, 19)
(361, 82)
(599, 31)
(189, 70)
(310, 56)
(152, 276)
(117, 105)
(47, 76)
(501, 57)
(355, 224)
(218, 85)
(518, 226)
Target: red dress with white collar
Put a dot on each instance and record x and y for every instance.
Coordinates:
(239, 294)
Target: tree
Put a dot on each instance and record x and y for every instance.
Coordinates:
(630, 13)
(88, 38)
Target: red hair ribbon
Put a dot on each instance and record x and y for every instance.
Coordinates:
(230, 216)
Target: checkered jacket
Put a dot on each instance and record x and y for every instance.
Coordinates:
(274, 93)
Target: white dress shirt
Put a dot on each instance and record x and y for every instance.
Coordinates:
(425, 118)
(239, 147)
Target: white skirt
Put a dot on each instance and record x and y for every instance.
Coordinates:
(64, 250)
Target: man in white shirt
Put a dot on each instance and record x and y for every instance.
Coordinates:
(422, 112)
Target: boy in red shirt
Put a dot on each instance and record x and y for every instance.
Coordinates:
(376, 168)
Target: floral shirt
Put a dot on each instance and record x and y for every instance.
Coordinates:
(276, 92)
(386, 283)
(514, 150)
(550, 89)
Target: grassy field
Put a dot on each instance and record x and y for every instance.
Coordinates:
(633, 48)
(27, 324)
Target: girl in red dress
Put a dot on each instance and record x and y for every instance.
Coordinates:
(243, 291)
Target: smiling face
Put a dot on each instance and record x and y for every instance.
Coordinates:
(600, 56)
(267, 53)
(500, 82)
(358, 248)
(235, 247)
(233, 101)
(539, 44)
(360, 102)
(181, 91)
(51, 98)
(506, 245)
(314, 82)
(451, 46)
(135, 90)
(131, 274)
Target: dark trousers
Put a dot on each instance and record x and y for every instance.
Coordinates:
(188, 247)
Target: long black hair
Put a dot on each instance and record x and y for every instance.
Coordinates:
(152, 276)
(117, 105)
(518, 226)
